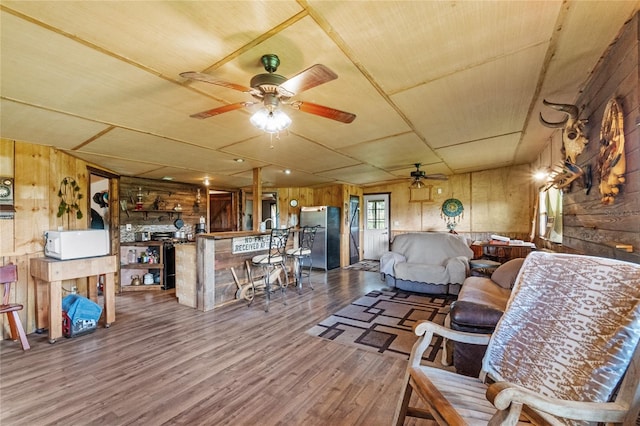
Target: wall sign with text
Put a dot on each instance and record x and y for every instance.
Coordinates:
(249, 244)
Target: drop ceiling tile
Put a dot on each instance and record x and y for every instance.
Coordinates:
(358, 175)
(40, 126)
(164, 36)
(275, 177)
(496, 98)
(117, 165)
(393, 152)
(289, 152)
(196, 177)
(480, 155)
(156, 150)
(404, 44)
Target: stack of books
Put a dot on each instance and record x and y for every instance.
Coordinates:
(499, 240)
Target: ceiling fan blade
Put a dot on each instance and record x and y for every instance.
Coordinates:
(222, 109)
(309, 78)
(323, 111)
(437, 176)
(210, 79)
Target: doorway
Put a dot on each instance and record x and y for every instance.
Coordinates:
(354, 229)
(222, 211)
(376, 225)
(270, 212)
(103, 211)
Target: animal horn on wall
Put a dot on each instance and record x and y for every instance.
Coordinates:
(570, 110)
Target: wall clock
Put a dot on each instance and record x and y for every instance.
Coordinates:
(5, 189)
(293, 203)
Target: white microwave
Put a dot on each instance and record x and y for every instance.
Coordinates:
(65, 245)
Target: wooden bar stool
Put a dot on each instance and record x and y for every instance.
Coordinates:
(8, 275)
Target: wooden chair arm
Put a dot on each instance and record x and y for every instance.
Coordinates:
(426, 329)
(425, 326)
(503, 394)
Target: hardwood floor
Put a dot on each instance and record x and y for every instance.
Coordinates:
(164, 363)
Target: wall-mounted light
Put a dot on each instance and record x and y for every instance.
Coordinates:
(541, 175)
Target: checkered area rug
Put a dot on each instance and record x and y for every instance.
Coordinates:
(365, 265)
(382, 321)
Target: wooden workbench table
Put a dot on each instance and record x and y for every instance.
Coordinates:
(49, 274)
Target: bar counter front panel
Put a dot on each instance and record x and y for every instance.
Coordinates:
(215, 256)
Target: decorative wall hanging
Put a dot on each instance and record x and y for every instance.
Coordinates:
(69, 194)
(573, 136)
(452, 212)
(611, 162)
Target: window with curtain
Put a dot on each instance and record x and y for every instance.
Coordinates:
(376, 214)
(550, 219)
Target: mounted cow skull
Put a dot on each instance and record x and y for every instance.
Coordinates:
(573, 136)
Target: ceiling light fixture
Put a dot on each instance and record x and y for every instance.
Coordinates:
(206, 181)
(287, 171)
(270, 121)
(417, 184)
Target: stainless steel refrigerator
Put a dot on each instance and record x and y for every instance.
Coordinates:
(325, 253)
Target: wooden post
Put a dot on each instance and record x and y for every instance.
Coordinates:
(257, 198)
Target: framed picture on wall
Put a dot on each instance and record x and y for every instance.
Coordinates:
(417, 195)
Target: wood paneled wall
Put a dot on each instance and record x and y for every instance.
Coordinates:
(589, 226)
(498, 201)
(172, 194)
(37, 171)
(331, 195)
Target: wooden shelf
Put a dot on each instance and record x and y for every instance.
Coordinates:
(170, 213)
(127, 269)
(144, 266)
(141, 287)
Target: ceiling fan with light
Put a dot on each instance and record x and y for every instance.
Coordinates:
(273, 90)
(417, 176)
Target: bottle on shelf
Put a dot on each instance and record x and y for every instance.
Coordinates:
(132, 257)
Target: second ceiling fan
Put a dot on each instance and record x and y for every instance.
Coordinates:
(417, 176)
(273, 90)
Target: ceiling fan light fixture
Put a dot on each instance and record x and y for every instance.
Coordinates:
(270, 121)
(417, 184)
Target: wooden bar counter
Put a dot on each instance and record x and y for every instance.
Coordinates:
(216, 254)
(49, 274)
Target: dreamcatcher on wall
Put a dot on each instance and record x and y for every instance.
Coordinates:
(452, 212)
(611, 162)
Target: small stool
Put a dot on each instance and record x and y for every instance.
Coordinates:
(483, 267)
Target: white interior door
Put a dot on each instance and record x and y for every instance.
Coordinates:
(376, 225)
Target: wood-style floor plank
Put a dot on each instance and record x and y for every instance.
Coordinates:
(162, 363)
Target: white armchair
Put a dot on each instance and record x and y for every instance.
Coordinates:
(564, 352)
(427, 262)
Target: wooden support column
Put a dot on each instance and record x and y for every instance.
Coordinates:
(257, 198)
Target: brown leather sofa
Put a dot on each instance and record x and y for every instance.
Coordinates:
(480, 305)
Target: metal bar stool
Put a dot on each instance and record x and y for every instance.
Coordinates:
(8, 275)
(302, 254)
(270, 261)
